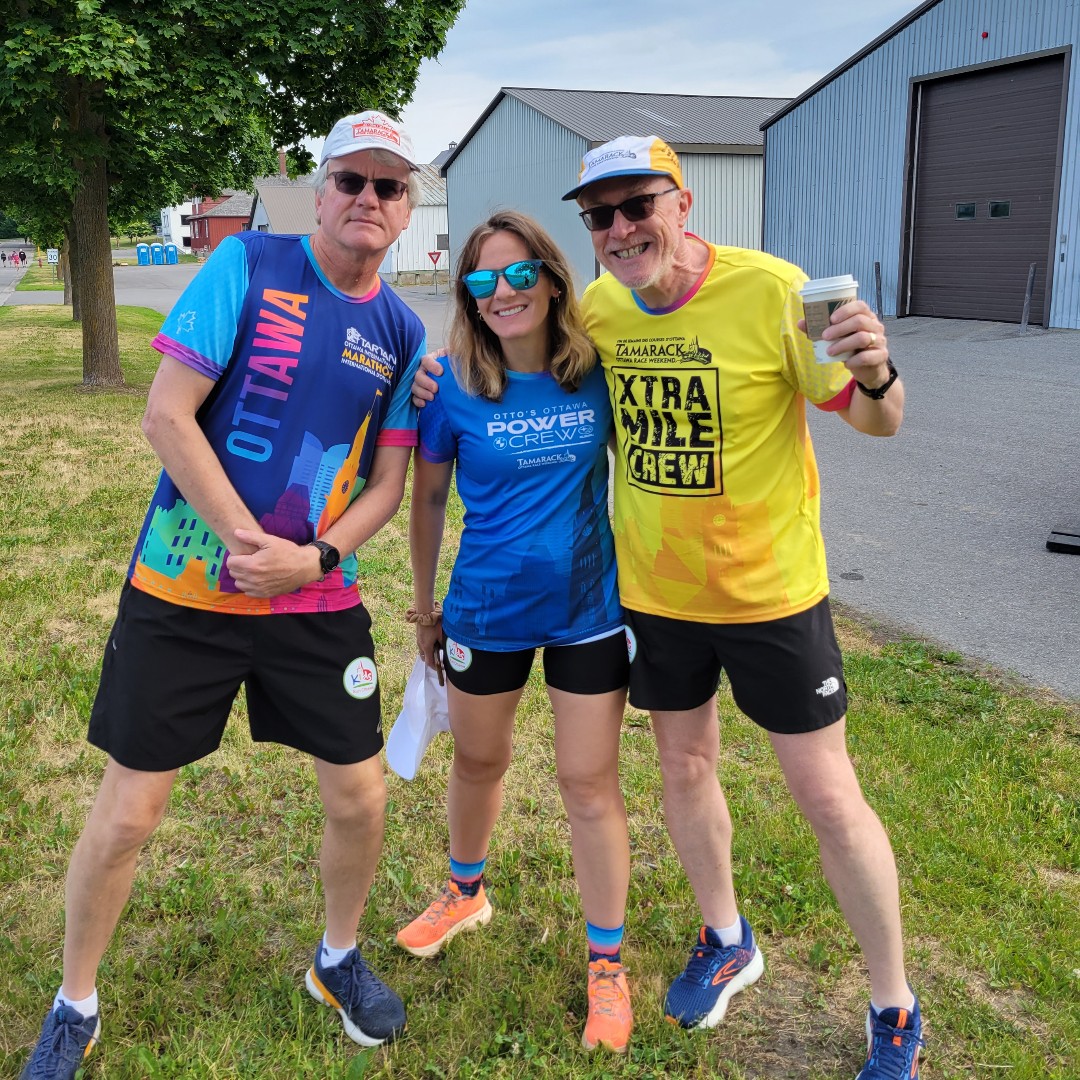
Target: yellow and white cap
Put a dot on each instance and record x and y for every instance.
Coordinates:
(629, 155)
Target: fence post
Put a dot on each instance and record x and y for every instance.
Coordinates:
(1027, 298)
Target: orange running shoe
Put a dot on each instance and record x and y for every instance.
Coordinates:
(447, 916)
(610, 1018)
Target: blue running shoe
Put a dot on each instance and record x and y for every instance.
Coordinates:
(714, 974)
(893, 1038)
(371, 1012)
(67, 1037)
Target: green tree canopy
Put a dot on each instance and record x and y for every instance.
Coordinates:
(126, 106)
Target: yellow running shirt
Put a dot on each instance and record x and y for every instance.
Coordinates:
(716, 486)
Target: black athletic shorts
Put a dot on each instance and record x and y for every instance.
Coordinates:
(785, 674)
(591, 667)
(170, 675)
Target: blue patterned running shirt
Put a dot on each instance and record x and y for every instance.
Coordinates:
(536, 564)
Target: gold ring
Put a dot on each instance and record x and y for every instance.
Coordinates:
(873, 340)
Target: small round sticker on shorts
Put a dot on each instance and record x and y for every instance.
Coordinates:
(631, 644)
(360, 678)
(458, 656)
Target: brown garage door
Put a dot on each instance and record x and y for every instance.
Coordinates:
(983, 210)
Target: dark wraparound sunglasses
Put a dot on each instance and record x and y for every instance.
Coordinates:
(520, 275)
(351, 184)
(636, 208)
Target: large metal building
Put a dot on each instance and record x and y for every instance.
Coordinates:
(524, 152)
(947, 151)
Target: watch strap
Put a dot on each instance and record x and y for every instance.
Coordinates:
(329, 556)
(878, 392)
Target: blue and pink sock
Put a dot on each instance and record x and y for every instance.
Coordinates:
(605, 943)
(467, 876)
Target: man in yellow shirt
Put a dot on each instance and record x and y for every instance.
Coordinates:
(721, 559)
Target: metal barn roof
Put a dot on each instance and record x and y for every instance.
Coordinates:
(432, 186)
(684, 120)
(289, 204)
(236, 205)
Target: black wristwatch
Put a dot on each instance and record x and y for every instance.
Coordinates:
(880, 391)
(329, 556)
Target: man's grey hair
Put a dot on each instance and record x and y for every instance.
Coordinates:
(383, 157)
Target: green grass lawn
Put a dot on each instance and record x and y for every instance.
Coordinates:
(976, 780)
(39, 278)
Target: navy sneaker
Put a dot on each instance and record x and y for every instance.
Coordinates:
(67, 1037)
(714, 974)
(893, 1041)
(371, 1012)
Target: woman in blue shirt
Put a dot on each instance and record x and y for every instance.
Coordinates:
(523, 414)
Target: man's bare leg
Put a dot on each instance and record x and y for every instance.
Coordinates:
(128, 807)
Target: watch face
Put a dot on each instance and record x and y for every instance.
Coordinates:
(328, 558)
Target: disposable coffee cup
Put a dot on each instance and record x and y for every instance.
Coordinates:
(821, 297)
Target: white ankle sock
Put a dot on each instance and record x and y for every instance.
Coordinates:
(331, 957)
(87, 1007)
(729, 935)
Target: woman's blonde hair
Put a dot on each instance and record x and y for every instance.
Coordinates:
(476, 354)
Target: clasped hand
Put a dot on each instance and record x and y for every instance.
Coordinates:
(276, 566)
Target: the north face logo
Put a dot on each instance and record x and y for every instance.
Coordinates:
(829, 686)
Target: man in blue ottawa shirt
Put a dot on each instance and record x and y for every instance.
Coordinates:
(281, 415)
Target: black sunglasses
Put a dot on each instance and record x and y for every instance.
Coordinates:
(636, 208)
(351, 184)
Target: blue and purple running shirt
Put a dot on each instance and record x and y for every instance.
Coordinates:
(536, 564)
(307, 382)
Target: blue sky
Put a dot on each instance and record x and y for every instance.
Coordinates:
(767, 48)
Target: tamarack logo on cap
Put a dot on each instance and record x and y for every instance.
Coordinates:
(372, 129)
(629, 155)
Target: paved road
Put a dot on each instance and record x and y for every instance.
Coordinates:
(155, 287)
(942, 530)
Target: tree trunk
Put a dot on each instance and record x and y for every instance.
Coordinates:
(93, 258)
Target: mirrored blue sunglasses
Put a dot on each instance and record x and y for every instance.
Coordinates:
(520, 275)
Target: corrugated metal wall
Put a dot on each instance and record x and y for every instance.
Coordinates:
(834, 175)
(411, 250)
(522, 160)
(519, 160)
(727, 197)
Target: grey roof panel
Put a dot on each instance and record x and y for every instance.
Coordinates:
(238, 205)
(290, 207)
(432, 186)
(680, 119)
(599, 115)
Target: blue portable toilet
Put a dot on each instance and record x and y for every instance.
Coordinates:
(170, 254)
(157, 254)
(142, 252)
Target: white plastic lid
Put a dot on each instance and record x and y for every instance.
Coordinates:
(829, 284)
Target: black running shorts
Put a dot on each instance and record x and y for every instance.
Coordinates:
(170, 675)
(785, 674)
(592, 667)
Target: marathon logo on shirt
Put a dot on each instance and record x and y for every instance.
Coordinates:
(532, 430)
(365, 355)
(669, 429)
